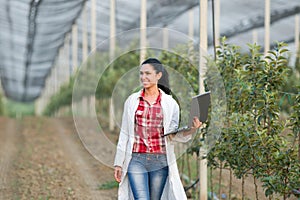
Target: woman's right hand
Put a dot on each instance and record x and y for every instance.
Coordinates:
(118, 173)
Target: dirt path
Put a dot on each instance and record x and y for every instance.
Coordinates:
(8, 150)
(88, 168)
(44, 159)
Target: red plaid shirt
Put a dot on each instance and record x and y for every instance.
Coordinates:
(149, 127)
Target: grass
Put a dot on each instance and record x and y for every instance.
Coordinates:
(17, 109)
(108, 185)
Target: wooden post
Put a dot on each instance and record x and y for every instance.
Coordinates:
(60, 67)
(67, 64)
(267, 26)
(44, 97)
(60, 72)
(191, 23)
(38, 104)
(165, 38)
(84, 106)
(93, 43)
(191, 31)
(297, 32)
(93, 25)
(112, 48)
(297, 37)
(67, 58)
(217, 22)
(203, 43)
(143, 32)
(202, 69)
(56, 75)
(74, 48)
(92, 104)
(84, 54)
(84, 35)
(55, 79)
(112, 41)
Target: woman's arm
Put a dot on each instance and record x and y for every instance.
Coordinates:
(196, 124)
(118, 173)
(184, 136)
(123, 137)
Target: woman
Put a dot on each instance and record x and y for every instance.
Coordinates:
(145, 162)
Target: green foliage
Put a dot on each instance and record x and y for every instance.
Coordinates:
(1, 105)
(289, 90)
(60, 99)
(108, 185)
(252, 141)
(294, 122)
(96, 71)
(184, 76)
(114, 72)
(17, 109)
(88, 75)
(183, 64)
(297, 63)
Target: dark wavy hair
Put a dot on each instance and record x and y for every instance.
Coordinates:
(163, 82)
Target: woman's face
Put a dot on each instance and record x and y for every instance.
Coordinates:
(148, 76)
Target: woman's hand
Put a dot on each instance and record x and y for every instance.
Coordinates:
(118, 173)
(196, 124)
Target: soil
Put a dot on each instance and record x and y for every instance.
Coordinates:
(44, 159)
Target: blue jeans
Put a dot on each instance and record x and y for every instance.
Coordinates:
(147, 174)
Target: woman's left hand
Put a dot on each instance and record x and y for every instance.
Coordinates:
(196, 123)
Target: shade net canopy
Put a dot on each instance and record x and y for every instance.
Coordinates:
(32, 31)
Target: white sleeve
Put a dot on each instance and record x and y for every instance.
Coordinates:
(123, 137)
(179, 137)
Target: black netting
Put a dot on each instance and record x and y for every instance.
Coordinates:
(32, 31)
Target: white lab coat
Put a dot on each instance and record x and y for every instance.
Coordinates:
(173, 189)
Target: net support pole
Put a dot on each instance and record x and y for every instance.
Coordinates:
(267, 25)
(74, 48)
(112, 48)
(297, 32)
(203, 43)
(191, 31)
(165, 38)
(112, 33)
(297, 37)
(84, 34)
(143, 32)
(92, 41)
(217, 21)
(93, 24)
(202, 68)
(67, 58)
(84, 53)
